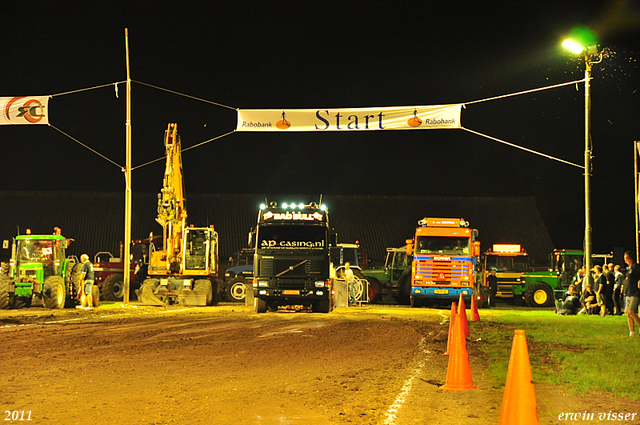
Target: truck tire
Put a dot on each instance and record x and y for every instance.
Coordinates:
(375, 290)
(416, 302)
(113, 288)
(53, 293)
(539, 295)
(204, 285)
(322, 306)
(4, 291)
(259, 305)
(236, 290)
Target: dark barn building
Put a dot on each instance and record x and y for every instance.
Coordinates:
(95, 220)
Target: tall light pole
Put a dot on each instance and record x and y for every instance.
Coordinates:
(591, 56)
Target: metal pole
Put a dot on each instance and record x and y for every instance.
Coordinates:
(587, 165)
(635, 190)
(127, 199)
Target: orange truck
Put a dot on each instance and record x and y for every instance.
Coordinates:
(446, 259)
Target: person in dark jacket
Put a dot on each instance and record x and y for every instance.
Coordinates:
(632, 292)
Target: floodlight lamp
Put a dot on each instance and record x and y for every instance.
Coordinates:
(262, 206)
(573, 46)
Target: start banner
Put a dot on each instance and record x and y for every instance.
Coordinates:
(24, 110)
(350, 119)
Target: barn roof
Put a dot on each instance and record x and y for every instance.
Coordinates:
(96, 219)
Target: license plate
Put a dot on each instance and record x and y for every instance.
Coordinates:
(291, 292)
(440, 291)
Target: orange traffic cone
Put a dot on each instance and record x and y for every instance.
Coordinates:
(519, 399)
(454, 312)
(462, 315)
(475, 316)
(459, 370)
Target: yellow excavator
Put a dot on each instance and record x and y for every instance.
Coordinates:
(185, 270)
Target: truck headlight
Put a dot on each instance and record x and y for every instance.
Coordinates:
(262, 292)
(263, 283)
(319, 283)
(319, 293)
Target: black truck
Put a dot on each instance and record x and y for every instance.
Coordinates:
(291, 264)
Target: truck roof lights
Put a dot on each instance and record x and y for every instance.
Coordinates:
(511, 248)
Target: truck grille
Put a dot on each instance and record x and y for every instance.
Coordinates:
(444, 272)
(270, 267)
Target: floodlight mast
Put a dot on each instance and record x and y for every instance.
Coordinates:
(591, 56)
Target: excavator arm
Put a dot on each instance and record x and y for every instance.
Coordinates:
(172, 212)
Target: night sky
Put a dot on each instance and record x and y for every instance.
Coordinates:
(316, 54)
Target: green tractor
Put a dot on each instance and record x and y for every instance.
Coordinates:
(40, 273)
(395, 278)
(541, 288)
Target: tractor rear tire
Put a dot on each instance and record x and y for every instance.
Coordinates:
(539, 295)
(404, 295)
(204, 285)
(54, 294)
(236, 290)
(73, 282)
(113, 288)
(4, 291)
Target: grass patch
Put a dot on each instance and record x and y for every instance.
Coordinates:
(583, 352)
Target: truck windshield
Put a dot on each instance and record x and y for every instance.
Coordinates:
(507, 264)
(35, 251)
(449, 245)
(292, 237)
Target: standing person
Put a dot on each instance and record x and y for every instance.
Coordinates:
(617, 287)
(493, 286)
(611, 281)
(351, 280)
(632, 292)
(601, 283)
(87, 282)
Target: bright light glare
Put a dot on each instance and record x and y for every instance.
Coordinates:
(300, 206)
(323, 208)
(284, 205)
(262, 206)
(573, 46)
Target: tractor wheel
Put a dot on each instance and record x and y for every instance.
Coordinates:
(73, 281)
(95, 294)
(259, 305)
(4, 291)
(539, 295)
(375, 290)
(204, 285)
(53, 293)
(358, 288)
(404, 295)
(236, 290)
(113, 288)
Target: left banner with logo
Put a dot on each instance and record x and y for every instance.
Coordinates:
(350, 119)
(24, 110)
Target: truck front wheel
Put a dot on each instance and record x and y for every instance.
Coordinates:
(539, 295)
(259, 305)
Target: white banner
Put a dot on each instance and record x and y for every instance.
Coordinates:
(350, 119)
(24, 110)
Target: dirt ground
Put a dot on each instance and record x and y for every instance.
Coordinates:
(227, 365)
